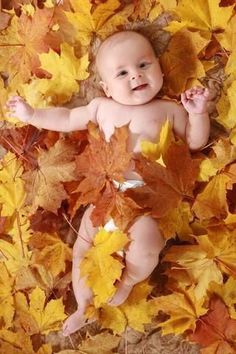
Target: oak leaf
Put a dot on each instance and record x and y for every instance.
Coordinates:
(44, 185)
(100, 267)
(39, 316)
(220, 329)
(165, 187)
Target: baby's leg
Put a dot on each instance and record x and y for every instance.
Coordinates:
(141, 258)
(82, 292)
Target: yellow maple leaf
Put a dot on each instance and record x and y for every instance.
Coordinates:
(39, 316)
(135, 312)
(105, 341)
(211, 202)
(224, 152)
(205, 15)
(177, 221)
(207, 261)
(177, 71)
(227, 39)
(12, 192)
(103, 21)
(155, 151)
(100, 267)
(227, 292)
(66, 66)
(20, 343)
(50, 251)
(14, 257)
(226, 106)
(6, 299)
(137, 309)
(161, 6)
(184, 309)
(44, 184)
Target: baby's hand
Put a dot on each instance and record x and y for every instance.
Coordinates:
(195, 100)
(19, 108)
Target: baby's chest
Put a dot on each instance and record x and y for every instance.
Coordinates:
(143, 123)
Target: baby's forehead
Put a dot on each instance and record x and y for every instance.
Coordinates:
(105, 49)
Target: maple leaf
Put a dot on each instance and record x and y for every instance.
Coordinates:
(103, 21)
(100, 267)
(177, 221)
(165, 187)
(7, 309)
(20, 343)
(206, 261)
(184, 309)
(13, 256)
(154, 151)
(204, 15)
(67, 64)
(105, 341)
(220, 329)
(98, 166)
(227, 293)
(224, 154)
(22, 42)
(226, 105)
(161, 6)
(211, 202)
(12, 191)
(4, 20)
(134, 312)
(179, 72)
(39, 316)
(50, 251)
(44, 184)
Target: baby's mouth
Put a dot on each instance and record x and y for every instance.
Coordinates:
(140, 87)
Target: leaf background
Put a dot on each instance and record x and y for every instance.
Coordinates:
(47, 51)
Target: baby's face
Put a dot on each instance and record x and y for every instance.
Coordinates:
(130, 71)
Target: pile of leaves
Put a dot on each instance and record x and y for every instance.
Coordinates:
(47, 179)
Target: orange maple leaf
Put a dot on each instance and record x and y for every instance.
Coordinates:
(98, 166)
(166, 186)
(220, 329)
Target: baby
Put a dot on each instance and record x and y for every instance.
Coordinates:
(131, 78)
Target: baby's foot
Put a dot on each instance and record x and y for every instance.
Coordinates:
(75, 322)
(121, 294)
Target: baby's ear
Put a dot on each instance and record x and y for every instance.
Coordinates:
(105, 88)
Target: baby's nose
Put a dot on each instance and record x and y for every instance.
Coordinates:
(136, 76)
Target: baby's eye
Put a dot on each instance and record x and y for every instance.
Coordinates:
(144, 64)
(122, 73)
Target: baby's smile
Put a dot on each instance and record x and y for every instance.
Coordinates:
(140, 87)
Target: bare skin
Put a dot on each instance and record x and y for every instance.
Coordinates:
(131, 78)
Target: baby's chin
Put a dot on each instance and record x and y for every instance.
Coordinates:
(134, 101)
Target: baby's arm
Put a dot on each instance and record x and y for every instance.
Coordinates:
(193, 127)
(58, 118)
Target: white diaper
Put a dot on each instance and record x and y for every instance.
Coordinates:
(130, 183)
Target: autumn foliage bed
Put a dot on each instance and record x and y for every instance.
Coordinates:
(47, 54)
